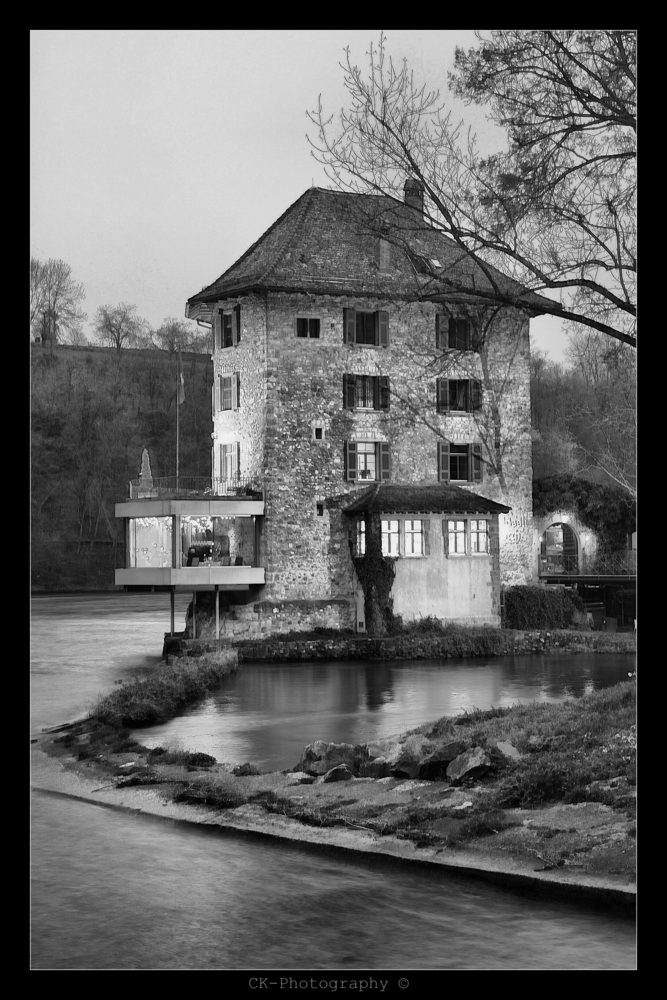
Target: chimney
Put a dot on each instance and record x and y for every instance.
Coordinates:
(414, 194)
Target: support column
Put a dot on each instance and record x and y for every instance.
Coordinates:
(172, 592)
(217, 611)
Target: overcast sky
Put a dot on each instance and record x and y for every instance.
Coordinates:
(159, 157)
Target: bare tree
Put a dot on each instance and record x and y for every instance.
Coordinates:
(119, 326)
(175, 333)
(55, 298)
(555, 212)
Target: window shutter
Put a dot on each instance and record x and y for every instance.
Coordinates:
(349, 391)
(476, 463)
(384, 461)
(383, 383)
(452, 332)
(476, 340)
(349, 325)
(350, 460)
(426, 528)
(217, 328)
(382, 329)
(445, 535)
(237, 325)
(466, 335)
(213, 400)
(437, 330)
(476, 396)
(443, 461)
(442, 393)
(235, 391)
(236, 460)
(375, 385)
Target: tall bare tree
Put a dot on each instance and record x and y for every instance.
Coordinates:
(55, 312)
(556, 211)
(119, 326)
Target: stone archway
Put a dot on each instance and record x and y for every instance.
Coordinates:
(559, 549)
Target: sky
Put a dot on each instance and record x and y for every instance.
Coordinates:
(159, 157)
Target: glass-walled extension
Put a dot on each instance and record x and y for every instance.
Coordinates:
(150, 542)
(219, 541)
(201, 540)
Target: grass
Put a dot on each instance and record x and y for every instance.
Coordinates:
(165, 693)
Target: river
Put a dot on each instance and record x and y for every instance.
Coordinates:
(125, 891)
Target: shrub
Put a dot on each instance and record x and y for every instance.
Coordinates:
(540, 608)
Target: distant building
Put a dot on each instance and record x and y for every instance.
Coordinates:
(357, 392)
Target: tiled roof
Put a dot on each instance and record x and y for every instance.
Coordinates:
(328, 242)
(386, 498)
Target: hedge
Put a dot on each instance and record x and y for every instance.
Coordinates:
(538, 607)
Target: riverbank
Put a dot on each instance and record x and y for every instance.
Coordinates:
(453, 641)
(548, 803)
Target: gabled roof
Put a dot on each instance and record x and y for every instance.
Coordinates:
(387, 498)
(328, 242)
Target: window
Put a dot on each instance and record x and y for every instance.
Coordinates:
(370, 329)
(307, 327)
(229, 394)
(319, 509)
(367, 461)
(227, 328)
(466, 536)
(318, 433)
(390, 536)
(414, 538)
(454, 333)
(369, 392)
(479, 537)
(230, 460)
(459, 462)
(456, 537)
(458, 395)
(361, 538)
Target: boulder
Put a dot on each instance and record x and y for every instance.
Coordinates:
(470, 764)
(435, 764)
(507, 750)
(319, 757)
(339, 773)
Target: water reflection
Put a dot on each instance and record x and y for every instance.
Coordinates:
(265, 713)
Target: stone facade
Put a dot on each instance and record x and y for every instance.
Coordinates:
(290, 423)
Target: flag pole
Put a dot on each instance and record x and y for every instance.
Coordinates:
(180, 397)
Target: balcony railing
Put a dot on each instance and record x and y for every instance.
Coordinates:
(183, 487)
(599, 564)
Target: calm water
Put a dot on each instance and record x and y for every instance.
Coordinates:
(123, 891)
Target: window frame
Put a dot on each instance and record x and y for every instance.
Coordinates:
(412, 533)
(465, 535)
(455, 333)
(377, 389)
(227, 324)
(308, 320)
(475, 463)
(233, 390)
(474, 395)
(233, 450)
(389, 533)
(382, 461)
(380, 327)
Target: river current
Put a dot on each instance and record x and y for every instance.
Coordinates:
(125, 891)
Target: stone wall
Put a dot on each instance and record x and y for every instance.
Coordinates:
(263, 619)
(292, 387)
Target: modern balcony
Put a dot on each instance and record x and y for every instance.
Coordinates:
(192, 534)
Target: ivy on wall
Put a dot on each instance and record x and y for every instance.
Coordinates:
(609, 513)
(376, 575)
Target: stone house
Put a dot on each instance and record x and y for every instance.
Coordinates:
(364, 401)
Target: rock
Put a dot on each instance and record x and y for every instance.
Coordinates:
(300, 778)
(464, 805)
(468, 765)
(435, 764)
(339, 773)
(319, 757)
(507, 750)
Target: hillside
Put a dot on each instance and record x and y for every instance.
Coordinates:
(93, 412)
